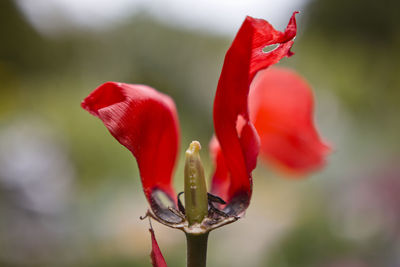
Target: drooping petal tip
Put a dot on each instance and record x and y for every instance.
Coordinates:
(103, 96)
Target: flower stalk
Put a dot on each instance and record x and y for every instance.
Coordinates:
(196, 250)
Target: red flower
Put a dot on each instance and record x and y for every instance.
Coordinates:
(145, 121)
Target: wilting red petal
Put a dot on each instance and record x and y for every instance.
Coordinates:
(144, 121)
(235, 133)
(157, 258)
(281, 107)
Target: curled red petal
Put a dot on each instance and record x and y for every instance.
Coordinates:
(157, 258)
(235, 133)
(144, 121)
(281, 107)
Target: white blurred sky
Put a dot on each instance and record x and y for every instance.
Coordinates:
(217, 16)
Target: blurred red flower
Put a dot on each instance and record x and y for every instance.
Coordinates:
(281, 108)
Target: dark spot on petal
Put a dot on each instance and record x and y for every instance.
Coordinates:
(237, 204)
(160, 203)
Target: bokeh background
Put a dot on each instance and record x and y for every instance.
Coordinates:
(70, 194)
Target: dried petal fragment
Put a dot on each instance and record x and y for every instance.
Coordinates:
(281, 107)
(144, 121)
(235, 133)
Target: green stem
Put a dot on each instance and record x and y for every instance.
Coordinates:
(196, 250)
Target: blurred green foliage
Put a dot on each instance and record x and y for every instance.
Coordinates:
(369, 21)
(311, 244)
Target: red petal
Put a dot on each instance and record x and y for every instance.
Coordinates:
(281, 107)
(157, 258)
(144, 121)
(235, 133)
(221, 180)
